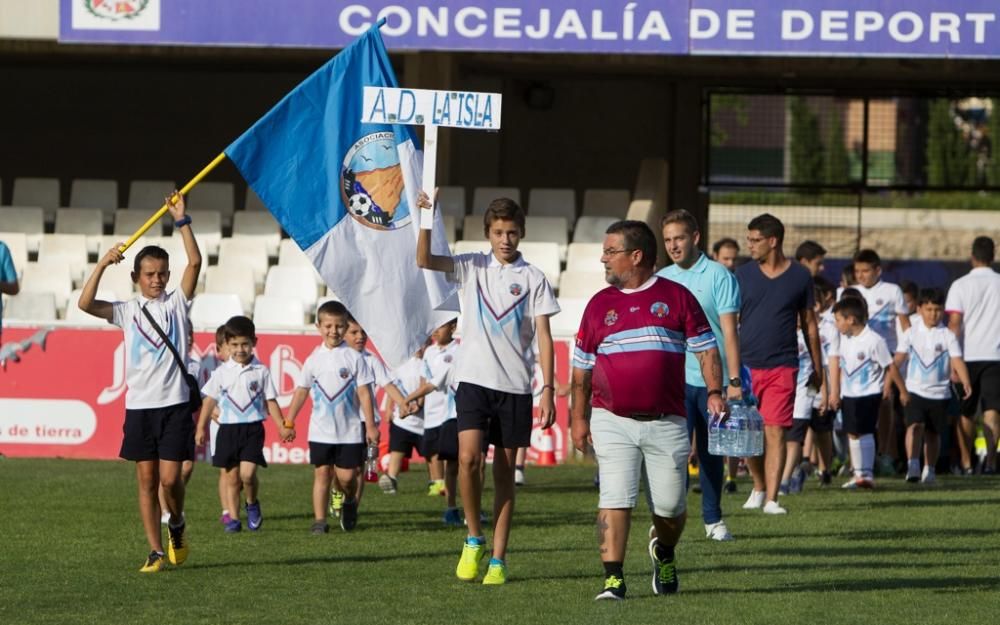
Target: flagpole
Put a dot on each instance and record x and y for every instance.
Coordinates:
(163, 209)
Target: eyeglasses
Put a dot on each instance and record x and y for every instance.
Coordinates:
(610, 252)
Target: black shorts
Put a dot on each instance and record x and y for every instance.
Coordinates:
(861, 414)
(985, 378)
(345, 456)
(404, 441)
(506, 418)
(239, 442)
(797, 433)
(822, 421)
(930, 412)
(158, 434)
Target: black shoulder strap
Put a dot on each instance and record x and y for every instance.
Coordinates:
(166, 341)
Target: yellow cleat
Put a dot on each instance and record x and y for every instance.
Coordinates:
(436, 489)
(496, 575)
(154, 563)
(468, 566)
(177, 545)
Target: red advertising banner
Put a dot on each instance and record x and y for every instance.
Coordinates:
(62, 394)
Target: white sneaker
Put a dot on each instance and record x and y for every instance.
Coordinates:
(913, 472)
(652, 532)
(718, 531)
(165, 518)
(928, 476)
(773, 507)
(755, 500)
(518, 477)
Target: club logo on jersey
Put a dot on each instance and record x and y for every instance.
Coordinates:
(448, 358)
(516, 289)
(659, 309)
(879, 302)
(861, 355)
(611, 318)
(938, 348)
(254, 387)
(344, 373)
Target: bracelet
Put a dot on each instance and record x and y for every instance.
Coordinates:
(715, 391)
(551, 386)
(288, 424)
(183, 221)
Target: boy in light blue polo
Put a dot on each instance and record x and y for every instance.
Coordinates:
(717, 291)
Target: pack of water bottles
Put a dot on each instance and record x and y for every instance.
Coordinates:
(740, 435)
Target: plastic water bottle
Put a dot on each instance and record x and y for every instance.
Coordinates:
(371, 464)
(756, 431)
(715, 444)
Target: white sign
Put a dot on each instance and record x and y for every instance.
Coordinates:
(424, 107)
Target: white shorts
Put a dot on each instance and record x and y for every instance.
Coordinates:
(622, 445)
(804, 399)
(213, 433)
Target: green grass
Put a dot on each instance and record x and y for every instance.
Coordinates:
(71, 544)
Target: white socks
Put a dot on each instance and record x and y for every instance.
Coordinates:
(862, 455)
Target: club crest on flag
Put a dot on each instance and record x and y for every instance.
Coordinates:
(372, 183)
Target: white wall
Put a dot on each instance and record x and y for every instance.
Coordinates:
(37, 19)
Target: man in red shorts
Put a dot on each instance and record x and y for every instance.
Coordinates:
(775, 293)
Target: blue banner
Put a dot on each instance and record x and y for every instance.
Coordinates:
(915, 28)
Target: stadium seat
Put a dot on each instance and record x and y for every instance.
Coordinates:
(74, 315)
(213, 196)
(127, 221)
(231, 279)
(48, 277)
(450, 228)
(451, 201)
(606, 202)
(42, 192)
(178, 256)
(591, 228)
(289, 255)
(584, 256)
(472, 228)
(275, 311)
(545, 256)
(207, 228)
(117, 280)
(292, 282)
(482, 196)
(552, 203)
(567, 322)
(29, 220)
(86, 221)
(253, 202)
(93, 193)
(17, 245)
(69, 249)
(211, 310)
(148, 195)
(243, 254)
(582, 284)
(31, 307)
(259, 227)
(550, 229)
(466, 246)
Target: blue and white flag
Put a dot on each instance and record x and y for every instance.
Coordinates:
(346, 192)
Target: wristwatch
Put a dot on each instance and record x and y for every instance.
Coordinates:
(736, 382)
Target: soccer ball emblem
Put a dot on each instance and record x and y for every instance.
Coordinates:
(360, 205)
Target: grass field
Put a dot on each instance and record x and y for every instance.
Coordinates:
(71, 544)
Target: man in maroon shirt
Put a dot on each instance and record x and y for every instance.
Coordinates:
(628, 398)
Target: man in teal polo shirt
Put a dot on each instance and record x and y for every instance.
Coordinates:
(717, 291)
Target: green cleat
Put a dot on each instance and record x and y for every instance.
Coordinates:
(336, 502)
(496, 574)
(472, 552)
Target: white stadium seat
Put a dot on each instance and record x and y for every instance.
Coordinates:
(86, 221)
(73, 313)
(450, 228)
(117, 280)
(606, 202)
(211, 310)
(253, 202)
(549, 229)
(31, 307)
(552, 203)
(292, 282)
(29, 220)
(584, 256)
(591, 228)
(128, 221)
(207, 228)
(451, 201)
(70, 249)
(258, 226)
(270, 311)
(149, 195)
(43, 192)
(244, 253)
(48, 277)
(231, 279)
(583, 284)
(213, 196)
(466, 246)
(17, 245)
(482, 196)
(94, 193)
(567, 322)
(543, 255)
(472, 228)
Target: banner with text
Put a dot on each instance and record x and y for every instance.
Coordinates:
(915, 28)
(64, 396)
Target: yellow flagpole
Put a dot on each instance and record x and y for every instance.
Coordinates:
(163, 209)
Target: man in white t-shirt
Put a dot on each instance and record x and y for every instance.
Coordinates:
(159, 429)
(973, 308)
(507, 304)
